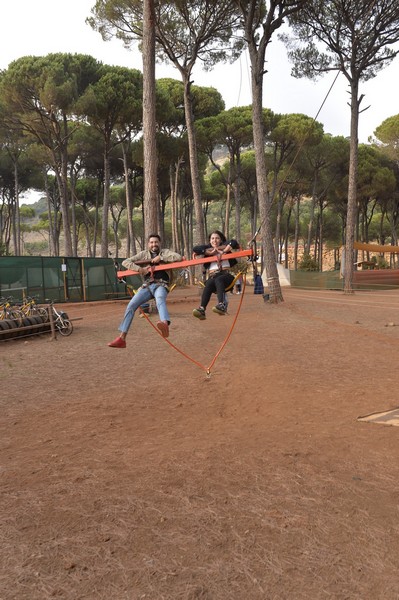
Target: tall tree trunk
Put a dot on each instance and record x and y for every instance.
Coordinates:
(237, 198)
(277, 234)
(254, 216)
(51, 226)
(316, 241)
(12, 216)
(321, 236)
(352, 189)
(174, 206)
(161, 216)
(194, 170)
(150, 201)
(17, 213)
(181, 220)
(269, 256)
(286, 237)
(392, 223)
(7, 234)
(63, 192)
(2, 228)
(228, 202)
(296, 235)
(311, 216)
(65, 200)
(107, 183)
(96, 213)
(57, 229)
(89, 251)
(73, 214)
(185, 228)
(129, 201)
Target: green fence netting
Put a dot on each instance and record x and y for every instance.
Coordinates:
(325, 280)
(69, 279)
(383, 279)
(62, 279)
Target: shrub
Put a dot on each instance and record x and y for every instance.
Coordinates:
(307, 263)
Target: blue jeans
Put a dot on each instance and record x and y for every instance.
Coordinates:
(152, 290)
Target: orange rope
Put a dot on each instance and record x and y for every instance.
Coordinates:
(169, 342)
(231, 328)
(200, 365)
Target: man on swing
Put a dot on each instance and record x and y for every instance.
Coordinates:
(155, 286)
(219, 276)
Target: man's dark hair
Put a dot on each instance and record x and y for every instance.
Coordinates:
(154, 235)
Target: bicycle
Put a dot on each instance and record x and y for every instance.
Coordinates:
(30, 309)
(61, 321)
(8, 311)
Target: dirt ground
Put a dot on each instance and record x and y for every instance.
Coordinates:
(130, 474)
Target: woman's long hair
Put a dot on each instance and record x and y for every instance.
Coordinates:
(220, 234)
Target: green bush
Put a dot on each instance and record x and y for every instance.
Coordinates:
(36, 248)
(4, 251)
(382, 263)
(307, 263)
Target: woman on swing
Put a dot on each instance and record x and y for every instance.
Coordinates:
(219, 277)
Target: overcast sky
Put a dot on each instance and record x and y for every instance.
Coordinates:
(38, 27)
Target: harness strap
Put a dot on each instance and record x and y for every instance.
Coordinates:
(157, 282)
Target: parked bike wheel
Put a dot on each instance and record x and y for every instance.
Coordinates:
(65, 328)
(16, 314)
(42, 312)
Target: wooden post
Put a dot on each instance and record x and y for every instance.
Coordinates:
(51, 319)
(83, 279)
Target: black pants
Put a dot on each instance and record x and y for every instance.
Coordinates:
(216, 284)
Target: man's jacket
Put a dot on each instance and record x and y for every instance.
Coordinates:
(167, 256)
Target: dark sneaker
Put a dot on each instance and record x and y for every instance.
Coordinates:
(199, 313)
(220, 308)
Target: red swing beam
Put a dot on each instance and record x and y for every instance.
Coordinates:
(189, 263)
